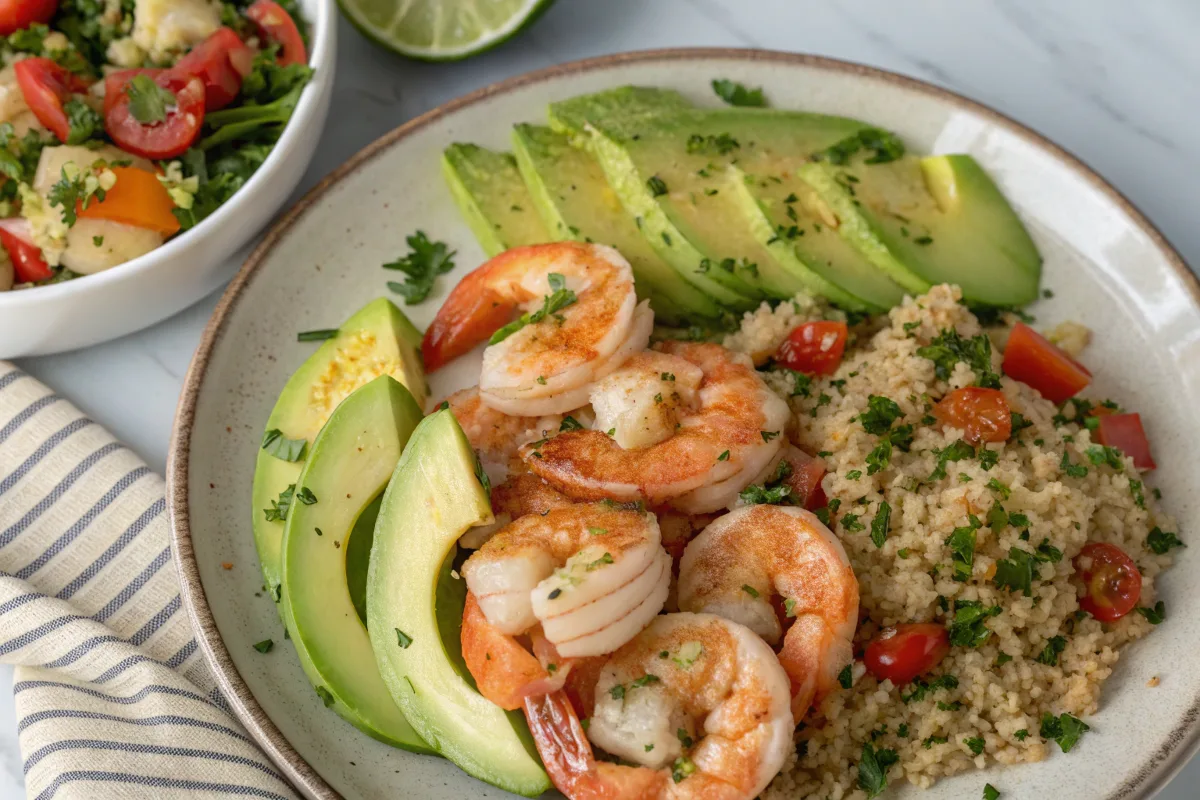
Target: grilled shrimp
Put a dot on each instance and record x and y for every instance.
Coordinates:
(522, 493)
(583, 320)
(495, 436)
(714, 450)
(745, 559)
(591, 575)
(699, 703)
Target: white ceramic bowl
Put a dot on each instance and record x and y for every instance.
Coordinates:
(138, 293)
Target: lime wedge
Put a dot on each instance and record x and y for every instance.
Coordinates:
(442, 30)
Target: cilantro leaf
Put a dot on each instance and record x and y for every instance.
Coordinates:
(763, 495)
(278, 445)
(955, 451)
(1050, 653)
(735, 94)
(880, 414)
(1160, 541)
(83, 120)
(559, 298)
(148, 102)
(962, 550)
(423, 263)
(968, 628)
(1016, 572)
(879, 457)
(872, 769)
(1064, 729)
(1155, 615)
(879, 525)
(949, 348)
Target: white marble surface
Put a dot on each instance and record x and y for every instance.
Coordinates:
(1115, 82)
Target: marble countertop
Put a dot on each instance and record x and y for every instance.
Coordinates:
(1118, 86)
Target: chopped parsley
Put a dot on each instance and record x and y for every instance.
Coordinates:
(721, 143)
(264, 646)
(850, 524)
(990, 792)
(962, 548)
(1154, 615)
(750, 590)
(280, 507)
(872, 769)
(559, 298)
(880, 457)
(880, 414)
(1016, 572)
(988, 458)
(955, 451)
(736, 94)
(325, 695)
(278, 445)
(846, 677)
(1073, 470)
(1021, 735)
(884, 146)
(879, 525)
(617, 692)
(724, 456)
(1064, 729)
(1161, 542)
(682, 768)
(1002, 659)
(854, 474)
(949, 348)
(77, 188)
(930, 741)
(656, 185)
(921, 687)
(1099, 455)
(569, 423)
(403, 639)
(974, 744)
(1053, 649)
(421, 266)
(968, 629)
(645, 680)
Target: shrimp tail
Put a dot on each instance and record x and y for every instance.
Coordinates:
(569, 761)
(473, 311)
(503, 670)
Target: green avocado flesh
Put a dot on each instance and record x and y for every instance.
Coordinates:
(671, 168)
(414, 610)
(349, 466)
(376, 340)
(570, 192)
(939, 218)
(491, 196)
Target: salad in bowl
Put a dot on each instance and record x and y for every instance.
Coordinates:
(126, 122)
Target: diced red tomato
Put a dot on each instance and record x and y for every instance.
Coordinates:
(814, 348)
(1125, 432)
(1112, 583)
(160, 140)
(221, 61)
(18, 14)
(903, 652)
(805, 479)
(28, 264)
(982, 414)
(46, 87)
(279, 27)
(1032, 359)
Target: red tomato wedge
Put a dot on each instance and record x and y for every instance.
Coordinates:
(279, 27)
(159, 140)
(1125, 432)
(28, 264)
(47, 87)
(903, 652)
(982, 414)
(805, 479)
(1032, 359)
(221, 61)
(18, 14)
(1111, 581)
(814, 348)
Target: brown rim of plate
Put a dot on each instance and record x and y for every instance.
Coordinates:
(1179, 745)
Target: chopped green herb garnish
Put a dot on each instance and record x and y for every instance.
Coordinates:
(569, 423)
(421, 266)
(403, 639)
(1016, 572)
(1064, 729)
(1160, 541)
(559, 298)
(991, 792)
(880, 414)
(736, 94)
(278, 445)
(264, 646)
(968, 629)
(879, 525)
(1053, 649)
(1154, 615)
(884, 146)
(325, 695)
(962, 549)
(750, 590)
(846, 677)
(872, 769)
(148, 102)
(1073, 470)
(317, 335)
(949, 348)
(955, 451)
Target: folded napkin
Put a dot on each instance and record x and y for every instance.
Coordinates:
(113, 698)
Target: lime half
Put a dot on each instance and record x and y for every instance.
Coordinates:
(442, 30)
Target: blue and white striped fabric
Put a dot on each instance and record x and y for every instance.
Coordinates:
(112, 695)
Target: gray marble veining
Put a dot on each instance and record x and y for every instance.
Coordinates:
(1116, 83)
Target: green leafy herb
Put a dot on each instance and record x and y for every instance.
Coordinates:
(883, 145)
(990, 792)
(421, 266)
(148, 102)
(264, 646)
(656, 185)
(569, 423)
(403, 639)
(1154, 615)
(735, 94)
(1064, 729)
(1074, 470)
(880, 457)
(1016, 572)
(922, 687)
(854, 474)
(1053, 649)
(617, 692)
(879, 525)
(872, 769)
(278, 445)
(76, 188)
(559, 298)
(850, 524)
(988, 458)
(968, 629)
(1047, 552)
(720, 144)
(602, 561)
(880, 414)
(279, 508)
(1021, 735)
(949, 348)
(306, 496)
(955, 451)
(962, 549)
(682, 768)
(846, 677)
(645, 680)
(1100, 455)
(1160, 541)
(724, 456)
(975, 744)
(325, 695)
(687, 654)
(930, 741)
(750, 590)
(1003, 659)
(765, 495)
(85, 123)
(317, 335)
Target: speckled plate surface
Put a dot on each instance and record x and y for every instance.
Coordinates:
(1107, 265)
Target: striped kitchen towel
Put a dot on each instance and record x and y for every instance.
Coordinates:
(113, 698)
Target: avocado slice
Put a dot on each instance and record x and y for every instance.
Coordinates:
(940, 219)
(492, 197)
(793, 223)
(377, 340)
(348, 468)
(415, 605)
(669, 170)
(569, 191)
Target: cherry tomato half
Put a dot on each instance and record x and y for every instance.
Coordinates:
(221, 61)
(46, 86)
(1125, 432)
(18, 14)
(28, 264)
(804, 481)
(278, 26)
(1032, 359)
(814, 348)
(1111, 581)
(159, 140)
(982, 414)
(903, 652)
